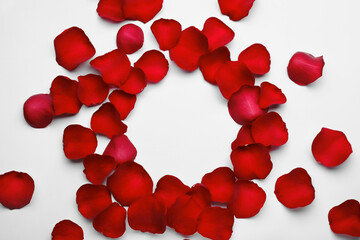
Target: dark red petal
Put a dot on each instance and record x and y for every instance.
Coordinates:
(130, 38)
(38, 110)
(98, 167)
(64, 93)
(210, 62)
(235, 9)
(135, 83)
(216, 223)
(270, 130)
(345, 218)
(331, 147)
(167, 33)
(256, 58)
(142, 10)
(92, 90)
(111, 10)
(111, 221)
(107, 120)
(123, 102)
(129, 182)
(231, 76)
(247, 200)
(16, 189)
(92, 200)
(154, 65)
(191, 45)
(114, 67)
(147, 214)
(270, 95)
(78, 142)
(251, 162)
(73, 47)
(169, 188)
(220, 183)
(295, 189)
(217, 33)
(201, 194)
(67, 230)
(121, 149)
(304, 68)
(244, 106)
(243, 138)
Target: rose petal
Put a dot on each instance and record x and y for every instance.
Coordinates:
(167, 33)
(78, 142)
(123, 102)
(67, 230)
(107, 120)
(210, 62)
(111, 10)
(142, 10)
(304, 68)
(154, 65)
(121, 149)
(114, 67)
(64, 93)
(130, 38)
(92, 200)
(331, 147)
(129, 182)
(111, 221)
(92, 90)
(98, 167)
(217, 33)
(256, 58)
(270, 95)
(247, 200)
(243, 138)
(191, 45)
(73, 47)
(38, 110)
(235, 9)
(220, 183)
(16, 189)
(135, 83)
(270, 130)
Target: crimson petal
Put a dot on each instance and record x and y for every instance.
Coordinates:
(256, 58)
(123, 102)
(167, 33)
(98, 167)
(142, 10)
(135, 83)
(67, 230)
(217, 33)
(111, 10)
(130, 38)
(39, 110)
(111, 221)
(243, 137)
(121, 149)
(270, 95)
(154, 65)
(92, 90)
(235, 9)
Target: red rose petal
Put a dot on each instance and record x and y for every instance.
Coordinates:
(191, 45)
(244, 106)
(210, 62)
(78, 142)
(304, 68)
(73, 47)
(270, 95)
(167, 33)
(111, 10)
(154, 65)
(121, 149)
(270, 130)
(169, 188)
(147, 214)
(98, 167)
(111, 222)
(114, 67)
(130, 38)
(217, 33)
(235, 9)
(295, 189)
(16, 189)
(345, 218)
(123, 102)
(142, 10)
(135, 83)
(216, 223)
(67, 230)
(92, 200)
(247, 200)
(251, 162)
(331, 147)
(243, 138)
(231, 76)
(64, 93)
(107, 120)
(129, 182)
(220, 183)
(92, 90)
(38, 110)
(256, 58)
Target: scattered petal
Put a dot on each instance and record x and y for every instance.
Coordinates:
(167, 33)
(130, 38)
(111, 10)
(135, 83)
(244, 137)
(217, 33)
(98, 167)
(38, 110)
(270, 95)
(92, 90)
(142, 10)
(111, 221)
(67, 230)
(121, 149)
(235, 9)
(154, 65)
(256, 58)
(123, 102)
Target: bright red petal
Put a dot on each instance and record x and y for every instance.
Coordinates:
(135, 83)
(256, 58)
(270, 95)
(67, 230)
(130, 38)
(235, 9)
(98, 167)
(167, 33)
(142, 10)
(154, 64)
(217, 33)
(243, 138)
(121, 149)
(92, 90)
(38, 110)
(111, 221)
(123, 102)
(111, 10)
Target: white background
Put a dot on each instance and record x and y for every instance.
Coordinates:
(181, 126)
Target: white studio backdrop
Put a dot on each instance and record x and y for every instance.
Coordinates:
(181, 126)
